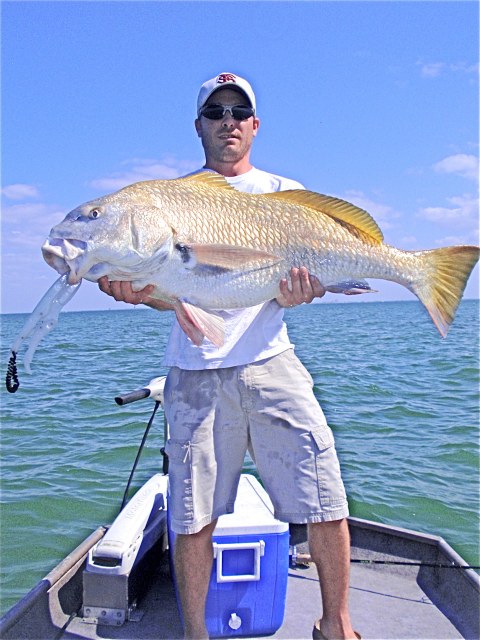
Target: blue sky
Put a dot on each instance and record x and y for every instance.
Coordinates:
(374, 102)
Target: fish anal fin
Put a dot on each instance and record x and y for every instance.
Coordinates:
(191, 330)
(198, 323)
(358, 221)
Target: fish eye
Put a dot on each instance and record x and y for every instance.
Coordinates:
(94, 213)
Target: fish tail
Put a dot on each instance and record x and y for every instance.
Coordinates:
(445, 274)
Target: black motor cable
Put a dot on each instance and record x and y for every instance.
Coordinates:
(139, 453)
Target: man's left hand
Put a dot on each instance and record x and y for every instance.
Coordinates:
(304, 288)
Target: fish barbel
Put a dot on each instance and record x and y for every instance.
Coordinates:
(206, 246)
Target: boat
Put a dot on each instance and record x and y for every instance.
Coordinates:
(118, 582)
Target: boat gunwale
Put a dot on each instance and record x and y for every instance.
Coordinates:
(29, 600)
(437, 542)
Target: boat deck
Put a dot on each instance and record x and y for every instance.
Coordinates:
(383, 605)
(388, 601)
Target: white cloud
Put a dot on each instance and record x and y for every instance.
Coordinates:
(20, 191)
(436, 69)
(28, 224)
(462, 164)
(32, 213)
(382, 213)
(463, 67)
(463, 210)
(467, 238)
(144, 169)
(431, 69)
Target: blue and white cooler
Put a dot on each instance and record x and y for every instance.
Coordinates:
(248, 584)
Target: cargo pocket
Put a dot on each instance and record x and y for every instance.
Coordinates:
(322, 436)
(331, 490)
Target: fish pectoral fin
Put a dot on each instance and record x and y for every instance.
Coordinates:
(198, 323)
(350, 287)
(225, 256)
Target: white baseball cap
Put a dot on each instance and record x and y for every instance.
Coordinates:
(220, 82)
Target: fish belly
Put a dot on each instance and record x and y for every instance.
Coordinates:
(229, 289)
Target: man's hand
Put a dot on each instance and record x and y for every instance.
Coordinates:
(123, 292)
(304, 288)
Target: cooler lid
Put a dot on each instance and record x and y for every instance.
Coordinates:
(253, 512)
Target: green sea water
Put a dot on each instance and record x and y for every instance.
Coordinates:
(403, 404)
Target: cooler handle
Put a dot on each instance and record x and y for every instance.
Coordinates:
(220, 547)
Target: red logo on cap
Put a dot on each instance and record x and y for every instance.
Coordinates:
(226, 77)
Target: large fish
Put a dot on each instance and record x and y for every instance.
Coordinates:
(206, 246)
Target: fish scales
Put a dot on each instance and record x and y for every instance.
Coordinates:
(333, 253)
(279, 227)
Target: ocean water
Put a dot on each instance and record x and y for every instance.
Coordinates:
(402, 402)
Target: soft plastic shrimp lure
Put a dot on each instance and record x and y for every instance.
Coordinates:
(40, 322)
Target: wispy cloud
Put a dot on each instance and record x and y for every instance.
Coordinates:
(462, 211)
(20, 191)
(31, 213)
(462, 164)
(383, 213)
(466, 238)
(28, 224)
(437, 69)
(431, 69)
(138, 169)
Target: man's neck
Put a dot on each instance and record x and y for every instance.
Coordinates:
(229, 169)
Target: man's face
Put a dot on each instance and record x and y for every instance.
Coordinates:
(227, 140)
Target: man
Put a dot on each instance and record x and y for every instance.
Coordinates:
(250, 393)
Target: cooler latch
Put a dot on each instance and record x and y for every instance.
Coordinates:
(218, 549)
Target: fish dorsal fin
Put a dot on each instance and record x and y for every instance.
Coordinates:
(356, 220)
(208, 178)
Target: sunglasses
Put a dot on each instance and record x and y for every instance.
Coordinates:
(218, 111)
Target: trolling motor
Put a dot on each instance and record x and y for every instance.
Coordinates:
(117, 565)
(154, 390)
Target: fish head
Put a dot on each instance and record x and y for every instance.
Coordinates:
(115, 236)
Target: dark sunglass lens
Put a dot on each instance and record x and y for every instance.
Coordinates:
(213, 112)
(242, 113)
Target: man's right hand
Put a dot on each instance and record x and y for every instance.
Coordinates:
(123, 292)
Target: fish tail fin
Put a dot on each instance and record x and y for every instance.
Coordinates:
(445, 272)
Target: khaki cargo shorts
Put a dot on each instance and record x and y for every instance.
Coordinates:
(267, 408)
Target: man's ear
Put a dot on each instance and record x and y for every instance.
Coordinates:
(256, 126)
(198, 127)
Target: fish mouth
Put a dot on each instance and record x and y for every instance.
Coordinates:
(66, 255)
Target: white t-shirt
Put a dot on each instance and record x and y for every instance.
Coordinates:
(251, 334)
